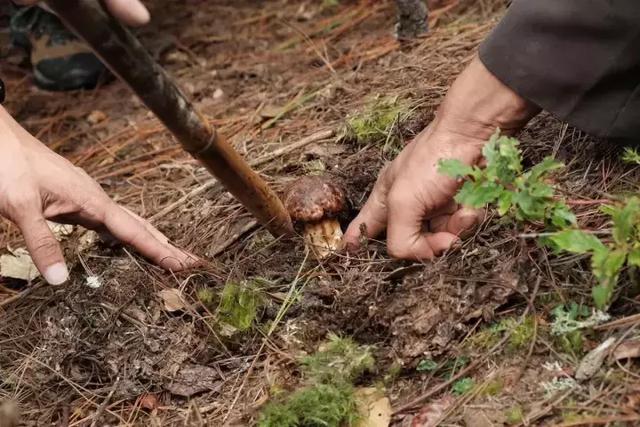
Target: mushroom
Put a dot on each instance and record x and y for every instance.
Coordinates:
(315, 202)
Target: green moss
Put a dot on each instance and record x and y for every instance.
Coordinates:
(514, 415)
(521, 334)
(375, 123)
(206, 296)
(492, 388)
(239, 305)
(321, 405)
(338, 359)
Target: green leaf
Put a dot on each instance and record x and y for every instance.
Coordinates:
(601, 296)
(478, 194)
(504, 159)
(606, 265)
(624, 220)
(454, 168)
(561, 215)
(631, 155)
(541, 169)
(577, 241)
(463, 386)
(426, 365)
(634, 257)
(505, 201)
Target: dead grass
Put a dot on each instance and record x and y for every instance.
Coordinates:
(69, 353)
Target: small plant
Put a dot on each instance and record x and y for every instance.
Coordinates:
(321, 405)
(206, 296)
(427, 365)
(528, 196)
(376, 122)
(239, 305)
(607, 259)
(463, 386)
(520, 334)
(328, 397)
(568, 323)
(524, 194)
(631, 155)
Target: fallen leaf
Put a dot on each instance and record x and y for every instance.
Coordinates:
(194, 379)
(18, 265)
(374, 408)
(592, 362)
(271, 111)
(149, 401)
(172, 299)
(430, 414)
(627, 349)
(481, 418)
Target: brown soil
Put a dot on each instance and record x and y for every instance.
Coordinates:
(68, 353)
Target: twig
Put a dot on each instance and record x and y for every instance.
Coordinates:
(618, 323)
(103, 405)
(21, 294)
(318, 136)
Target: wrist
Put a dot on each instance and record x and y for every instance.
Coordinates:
(478, 103)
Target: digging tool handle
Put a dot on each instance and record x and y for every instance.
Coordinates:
(129, 60)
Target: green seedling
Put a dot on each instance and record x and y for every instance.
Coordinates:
(206, 296)
(326, 405)
(607, 258)
(631, 155)
(375, 124)
(427, 365)
(526, 195)
(463, 386)
(239, 305)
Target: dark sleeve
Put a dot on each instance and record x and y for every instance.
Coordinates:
(578, 59)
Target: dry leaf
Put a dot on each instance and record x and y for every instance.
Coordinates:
(271, 111)
(593, 360)
(172, 299)
(374, 408)
(149, 401)
(628, 349)
(60, 231)
(194, 379)
(430, 414)
(18, 265)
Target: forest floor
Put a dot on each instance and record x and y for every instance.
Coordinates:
(469, 339)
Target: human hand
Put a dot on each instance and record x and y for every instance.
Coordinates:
(411, 199)
(36, 184)
(131, 12)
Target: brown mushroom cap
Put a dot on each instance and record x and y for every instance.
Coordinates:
(314, 198)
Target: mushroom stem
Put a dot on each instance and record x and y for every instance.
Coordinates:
(323, 237)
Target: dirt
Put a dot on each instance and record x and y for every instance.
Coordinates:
(73, 355)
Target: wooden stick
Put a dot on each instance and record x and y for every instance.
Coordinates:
(129, 60)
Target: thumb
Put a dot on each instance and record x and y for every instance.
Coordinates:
(44, 249)
(465, 221)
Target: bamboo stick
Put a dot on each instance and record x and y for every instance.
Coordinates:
(128, 59)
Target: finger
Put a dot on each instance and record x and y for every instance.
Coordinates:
(130, 12)
(44, 248)
(465, 221)
(193, 260)
(131, 231)
(405, 237)
(372, 218)
(461, 222)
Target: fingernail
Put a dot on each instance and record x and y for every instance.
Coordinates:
(139, 13)
(56, 274)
